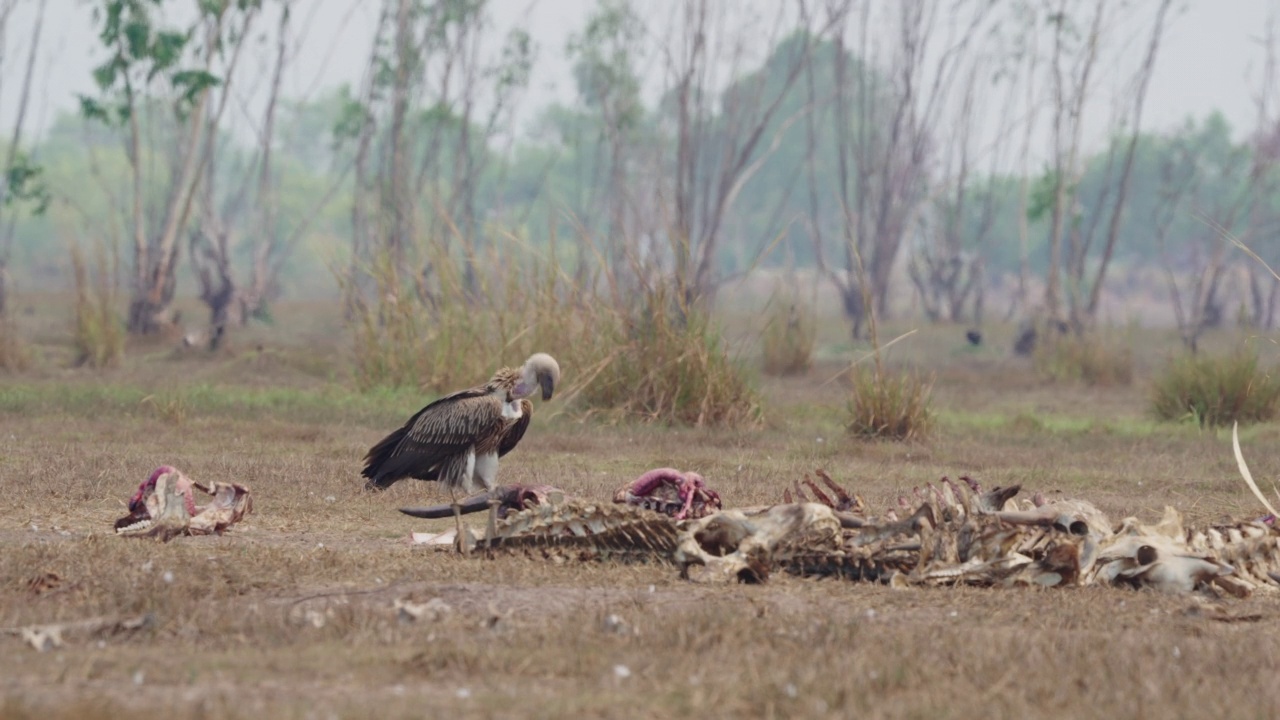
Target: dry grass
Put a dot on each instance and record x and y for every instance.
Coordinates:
(1216, 392)
(629, 355)
(99, 333)
(669, 363)
(232, 635)
(15, 352)
(889, 404)
(788, 339)
(1092, 358)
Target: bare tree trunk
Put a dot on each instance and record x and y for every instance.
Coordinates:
(1068, 125)
(150, 306)
(398, 199)
(15, 141)
(1113, 231)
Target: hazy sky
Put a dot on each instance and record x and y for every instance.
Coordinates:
(1211, 57)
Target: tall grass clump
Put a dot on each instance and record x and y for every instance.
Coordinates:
(1215, 392)
(665, 361)
(99, 334)
(889, 404)
(443, 327)
(15, 354)
(788, 339)
(1089, 358)
(627, 353)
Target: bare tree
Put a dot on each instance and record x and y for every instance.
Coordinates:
(250, 214)
(884, 131)
(717, 153)
(423, 135)
(21, 177)
(1264, 287)
(147, 64)
(956, 224)
(1193, 272)
(1076, 53)
(606, 54)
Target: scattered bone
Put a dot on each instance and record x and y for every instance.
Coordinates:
(433, 610)
(949, 533)
(616, 625)
(54, 635)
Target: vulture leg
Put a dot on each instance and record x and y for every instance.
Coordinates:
(486, 471)
(463, 545)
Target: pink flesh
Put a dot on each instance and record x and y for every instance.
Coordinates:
(150, 483)
(647, 483)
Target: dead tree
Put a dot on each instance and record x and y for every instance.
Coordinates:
(422, 140)
(148, 63)
(716, 154)
(946, 265)
(20, 180)
(886, 108)
(248, 215)
(1077, 50)
(1264, 286)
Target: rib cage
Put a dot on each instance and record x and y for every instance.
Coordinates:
(590, 530)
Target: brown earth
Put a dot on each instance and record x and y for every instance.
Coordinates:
(292, 614)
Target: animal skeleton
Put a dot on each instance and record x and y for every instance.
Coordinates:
(952, 533)
(164, 507)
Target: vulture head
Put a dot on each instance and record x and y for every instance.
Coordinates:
(540, 370)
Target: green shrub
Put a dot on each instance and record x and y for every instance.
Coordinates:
(889, 404)
(1089, 358)
(788, 339)
(1214, 392)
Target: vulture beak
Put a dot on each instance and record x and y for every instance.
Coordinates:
(548, 384)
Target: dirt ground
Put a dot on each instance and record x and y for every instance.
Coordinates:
(293, 613)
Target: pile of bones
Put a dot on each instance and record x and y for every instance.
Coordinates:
(951, 533)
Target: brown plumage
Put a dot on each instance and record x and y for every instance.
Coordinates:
(459, 438)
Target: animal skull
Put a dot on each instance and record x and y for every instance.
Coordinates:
(164, 507)
(745, 545)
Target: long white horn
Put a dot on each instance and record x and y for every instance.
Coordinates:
(1244, 469)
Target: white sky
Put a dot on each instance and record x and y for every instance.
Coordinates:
(1211, 57)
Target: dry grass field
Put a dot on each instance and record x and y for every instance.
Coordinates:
(291, 614)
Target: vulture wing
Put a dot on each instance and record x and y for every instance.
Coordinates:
(434, 434)
(513, 434)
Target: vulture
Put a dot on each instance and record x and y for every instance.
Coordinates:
(458, 439)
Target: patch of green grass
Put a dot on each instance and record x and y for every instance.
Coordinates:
(330, 404)
(1026, 423)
